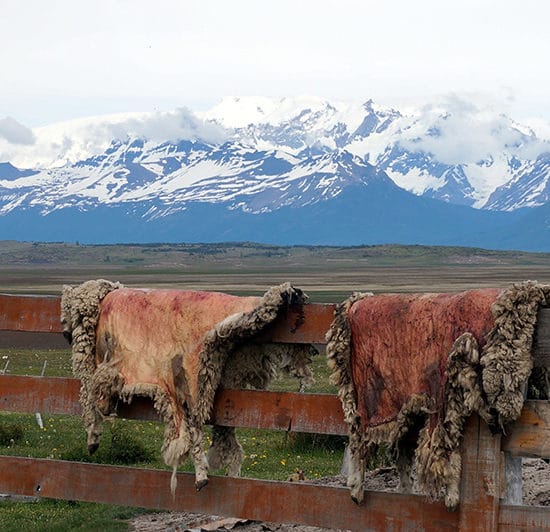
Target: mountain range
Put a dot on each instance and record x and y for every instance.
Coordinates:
(287, 171)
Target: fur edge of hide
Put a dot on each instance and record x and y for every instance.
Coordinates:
(506, 358)
(232, 332)
(79, 316)
(338, 352)
(438, 456)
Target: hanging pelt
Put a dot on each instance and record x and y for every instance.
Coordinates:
(410, 369)
(175, 347)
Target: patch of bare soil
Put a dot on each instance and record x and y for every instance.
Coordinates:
(536, 491)
(536, 482)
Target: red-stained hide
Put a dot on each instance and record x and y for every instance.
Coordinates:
(177, 348)
(150, 335)
(400, 344)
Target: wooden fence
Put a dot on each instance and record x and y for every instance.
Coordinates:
(489, 496)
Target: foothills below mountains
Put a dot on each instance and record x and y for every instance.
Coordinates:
(288, 171)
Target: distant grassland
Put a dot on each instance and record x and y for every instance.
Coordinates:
(327, 274)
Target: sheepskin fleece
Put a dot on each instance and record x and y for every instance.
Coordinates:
(409, 372)
(174, 347)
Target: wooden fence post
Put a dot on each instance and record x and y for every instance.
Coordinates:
(481, 475)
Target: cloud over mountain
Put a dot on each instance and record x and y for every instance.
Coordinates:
(459, 131)
(14, 132)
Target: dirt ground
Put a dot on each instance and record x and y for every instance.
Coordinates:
(536, 491)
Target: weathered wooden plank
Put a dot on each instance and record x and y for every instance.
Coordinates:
(530, 434)
(30, 313)
(51, 395)
(480, 481)
(302, 324)
(317, 413)
(298, 324)
(524, 518)
(512, 479)
(300, 503)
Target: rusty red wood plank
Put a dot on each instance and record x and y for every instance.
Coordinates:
(302, 324)
(318, 413)
(30, 313)
(480, 481)
(298, 324)
(262, 500)
(524, 518)
(530, 434)
(52, 395)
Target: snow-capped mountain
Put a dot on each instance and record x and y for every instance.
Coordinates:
(529, 186)
(258, 156)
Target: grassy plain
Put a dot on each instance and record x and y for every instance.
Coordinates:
(327, 274)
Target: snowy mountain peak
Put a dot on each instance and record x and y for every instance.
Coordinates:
(264, 153)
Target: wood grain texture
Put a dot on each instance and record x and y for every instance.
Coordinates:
(512, 480)
(288, 502)
(530, 435)
(480, 483)
(524, 518)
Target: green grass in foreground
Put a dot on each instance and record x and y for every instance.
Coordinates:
(268, 454)
(60, 516)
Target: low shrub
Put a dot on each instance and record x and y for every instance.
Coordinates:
(126, 448)
(10, 433)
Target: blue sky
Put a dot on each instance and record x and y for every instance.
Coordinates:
(65, 59)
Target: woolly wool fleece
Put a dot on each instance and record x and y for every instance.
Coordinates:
(490, 383)
(110, 363)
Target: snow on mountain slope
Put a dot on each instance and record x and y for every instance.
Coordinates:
(264, 153)
(530, 187)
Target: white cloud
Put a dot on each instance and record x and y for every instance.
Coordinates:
(68, 142)
(14, 132)
(468, 131)
(174, 125)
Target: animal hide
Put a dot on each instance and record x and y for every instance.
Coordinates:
(176, 347)
(409, 373)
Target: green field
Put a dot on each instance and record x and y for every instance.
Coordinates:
(327, 274)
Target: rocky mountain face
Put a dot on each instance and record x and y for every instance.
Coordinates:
(284, 171)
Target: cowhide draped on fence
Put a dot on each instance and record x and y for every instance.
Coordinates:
(411, 369)
(177, 348)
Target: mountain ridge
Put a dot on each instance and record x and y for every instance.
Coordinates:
(307, 155)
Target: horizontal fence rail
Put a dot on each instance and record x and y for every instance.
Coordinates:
(246, 498)
(483, 485)
(298, 412)
(298, 324)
